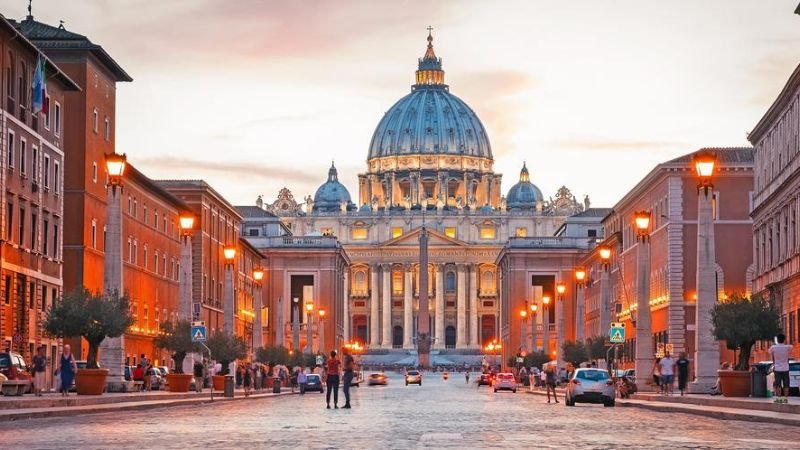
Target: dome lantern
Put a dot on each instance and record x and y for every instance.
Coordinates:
(429, 69)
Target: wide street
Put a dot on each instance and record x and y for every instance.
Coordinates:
(438, 414)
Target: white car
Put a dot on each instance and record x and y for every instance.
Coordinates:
(590, 385)
(414, 377)
(505, 381)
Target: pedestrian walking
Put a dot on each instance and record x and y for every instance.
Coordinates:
(667, 367)
(683, 372)
(239, 376)
(656, 370)
(198, 376)
(39, 369)
(302, 380)
(551, 376)
(466, 375)
(780, 367)
(332, 379)
(543, 377)
(247, 380)
(66, 370)
(349, 372)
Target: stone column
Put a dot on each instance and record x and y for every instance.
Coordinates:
(560, 331)
(439, 323)
(461, 307)
(374, 314)
(644, 331)
(546, 332)
(605, 301)
(706, 360)
(280, 326)
(386, 340)
(473, 306)
(408, 309)
(112, 350)
(345, 307)
(580, 313)
(185, 286)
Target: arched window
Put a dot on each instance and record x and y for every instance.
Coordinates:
(397, 282)
(450, 282)
(10, 76)
(360, 281)
(22, 88)
(487, 283)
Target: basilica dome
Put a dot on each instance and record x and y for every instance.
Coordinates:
(430, 120)
(524, 194)
(332, 194)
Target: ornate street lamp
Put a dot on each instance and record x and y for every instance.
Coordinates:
(561, 288)
(229, 253)
(580, 304)
(706, 348)
(112, 350)
(321, 314)
(546, 323)
(605, 291)
(644, 332)
(258, 326)
(186, 224)
(534, 307)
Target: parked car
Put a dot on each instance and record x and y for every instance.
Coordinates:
(155, 379)
(378, 379)
(505, 382)
(414, 377)
(314, 383)
(590, 385)
(794, 375)
(486, 379)
(13, 367)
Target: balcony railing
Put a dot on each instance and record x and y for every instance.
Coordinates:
(550, 242)
(294, 241)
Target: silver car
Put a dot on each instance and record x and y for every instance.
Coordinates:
(590, 386)
(505, 381)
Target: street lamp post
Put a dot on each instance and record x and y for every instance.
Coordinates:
(580, 304)
(258, 327)
(546, 322)
(706, 348)
(534, 345)
(295, 309)
(322, 331)
(309, 330)
(523, 316)
(605, 291)
(560, 289)
(186, 223)
(644, 346)
(112, 350)
(230, 256)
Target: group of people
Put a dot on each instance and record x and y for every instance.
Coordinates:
(251, 377)
(664, 370)
(334, 370)
(144, 375)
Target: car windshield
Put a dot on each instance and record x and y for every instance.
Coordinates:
(413, 373)
(313, 377)
(506, 376)
(592, 375)
(5, 361)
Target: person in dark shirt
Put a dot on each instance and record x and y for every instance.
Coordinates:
(198, 376)
(349, 373)
(683, 372)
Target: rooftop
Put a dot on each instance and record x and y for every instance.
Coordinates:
(727, 155)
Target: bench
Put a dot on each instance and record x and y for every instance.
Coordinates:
(15, 387)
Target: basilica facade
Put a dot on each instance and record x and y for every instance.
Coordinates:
(429, 164)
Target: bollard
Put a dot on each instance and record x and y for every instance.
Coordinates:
(229, 384)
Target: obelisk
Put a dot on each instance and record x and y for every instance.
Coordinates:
(423, 315)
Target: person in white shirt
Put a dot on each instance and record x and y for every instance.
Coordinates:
(667, 368)
(780, 367)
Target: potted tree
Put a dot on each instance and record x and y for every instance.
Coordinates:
(225, 348)
(575, 352)
(741, 321)
(176, 338)
(94, 317)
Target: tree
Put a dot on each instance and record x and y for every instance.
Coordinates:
(740, 321)
(596, 347)
(92, 316)
(273, 355)
(226, 348)
(575, 352)
(536, 359)
(176, 338)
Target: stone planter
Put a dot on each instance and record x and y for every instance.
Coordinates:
(90, 381)
(179, 382)
(734, 383)
(219, 382)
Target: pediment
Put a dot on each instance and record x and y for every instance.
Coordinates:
(435, 239)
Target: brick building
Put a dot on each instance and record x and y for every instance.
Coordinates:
(31, 192)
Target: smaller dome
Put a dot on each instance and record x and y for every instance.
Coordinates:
(486, 209)
(331, 194)
(523, 195)
(365, 208)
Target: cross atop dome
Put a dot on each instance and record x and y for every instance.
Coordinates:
(429, 68)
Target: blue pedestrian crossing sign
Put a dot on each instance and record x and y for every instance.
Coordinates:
(616, 334)
(198, 333)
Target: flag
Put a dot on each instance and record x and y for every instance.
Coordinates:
(39, 88)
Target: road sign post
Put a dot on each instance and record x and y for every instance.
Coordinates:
(198, 332)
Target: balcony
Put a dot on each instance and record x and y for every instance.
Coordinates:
(550, 242)
(294, 242)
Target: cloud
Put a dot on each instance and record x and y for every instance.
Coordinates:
(604, 145)
(246, 170)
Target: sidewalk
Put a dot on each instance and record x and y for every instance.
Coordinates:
(54, 405)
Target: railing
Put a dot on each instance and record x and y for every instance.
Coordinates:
(550, 242)
(294, 241)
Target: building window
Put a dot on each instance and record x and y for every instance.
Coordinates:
(34, 225)
(155, 220)
(397, 282)
(254, 232)
(397, 232)
(107, 129)
(327, 231)
(487, 283)
(450, 282)
(21, 226)
(56, 254)
(164, 265)
(46, 238)
(135, 251)
(487, 232)
(94, 120)
(56, 177)
(155, 262)
(135, 207)
(94, 172)
(23, 149)
(144, 213)
(522, 232)
(10, 150)
(94, 234)
(360, 283)
(9, 221)
(35, 162)
(360, 233)
(58, 119)
(130, 250)
(450, 232)
(591, 233)
(46, 171)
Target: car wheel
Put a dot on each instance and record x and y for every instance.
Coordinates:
(495, 390)
(609, 404)
(514, 391)
(406, 383)
(569, 402)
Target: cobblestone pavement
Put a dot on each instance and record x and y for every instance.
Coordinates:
(438, 414)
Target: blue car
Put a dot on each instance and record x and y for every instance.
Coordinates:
(314, 383)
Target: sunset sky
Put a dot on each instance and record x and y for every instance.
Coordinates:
(256, 95)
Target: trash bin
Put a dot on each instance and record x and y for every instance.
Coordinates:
(276, 385)
(229, 384)
(758, 381)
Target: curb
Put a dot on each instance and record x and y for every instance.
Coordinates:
(37, 413)
(726, 414)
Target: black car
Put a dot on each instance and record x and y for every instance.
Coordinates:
(486, 379)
